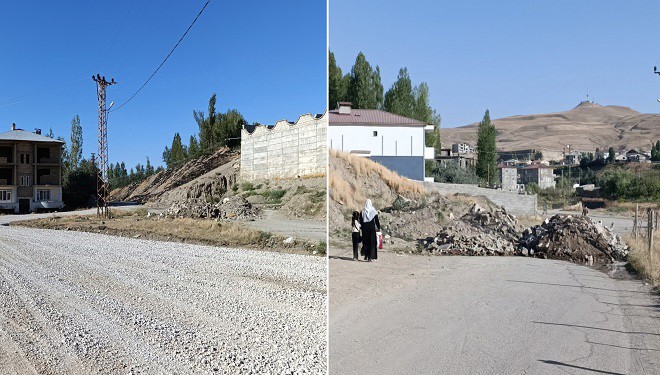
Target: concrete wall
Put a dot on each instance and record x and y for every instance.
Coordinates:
(285, 150)
(517, 204)
(411, 167)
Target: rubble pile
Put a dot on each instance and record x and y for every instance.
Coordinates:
(573, 238)
(229, 208)
(478, 232)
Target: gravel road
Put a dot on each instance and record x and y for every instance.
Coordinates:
(488, 315)
(84, 303)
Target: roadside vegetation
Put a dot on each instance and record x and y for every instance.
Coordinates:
(138, 224)
(641, 261)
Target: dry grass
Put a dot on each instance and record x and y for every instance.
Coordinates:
(343, 191)
(645, 263)
(207, 232)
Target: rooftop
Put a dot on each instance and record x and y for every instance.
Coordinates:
(370, 117)
(22, 135)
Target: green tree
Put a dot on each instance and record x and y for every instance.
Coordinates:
(365, 89)
(486, 151)
(337, 83)
(149, 169)
(206, 126)
(76, 146)
(177, 153)
(193, 147)
(79, 188)
(655, 151)
(611, 155)
(231, 124)
(50, 133)
(400, 99)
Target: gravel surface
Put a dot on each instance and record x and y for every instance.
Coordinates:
(405, 314)
(84, 303)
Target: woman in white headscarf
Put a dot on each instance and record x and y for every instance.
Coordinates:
(369, 224)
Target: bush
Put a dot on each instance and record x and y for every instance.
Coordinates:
(452, 173)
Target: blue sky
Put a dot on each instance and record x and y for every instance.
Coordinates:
(512, 57)
(267, 59)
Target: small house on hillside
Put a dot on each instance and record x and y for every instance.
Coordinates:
(30, 171)
(396, 142)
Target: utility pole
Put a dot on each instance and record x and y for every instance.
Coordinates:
(102, 157)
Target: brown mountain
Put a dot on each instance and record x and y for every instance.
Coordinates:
(584, 128)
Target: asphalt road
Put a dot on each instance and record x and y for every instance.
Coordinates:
(78, 303)
(406, 314)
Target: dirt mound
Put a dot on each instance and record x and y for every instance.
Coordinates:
(572, 238)
(230, 208)
(203, 178)
(355, 179)
(480, 231)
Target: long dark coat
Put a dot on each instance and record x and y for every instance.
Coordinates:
(369, 240)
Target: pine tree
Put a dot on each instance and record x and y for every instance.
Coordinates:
(486, 151)
(177, 153)
(611, 155)
(193, 147)
(50, 133)
(149, 168)
(76, 146)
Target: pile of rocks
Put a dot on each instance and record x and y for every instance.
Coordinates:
(229, 208)
(478, 232)
(573, 238)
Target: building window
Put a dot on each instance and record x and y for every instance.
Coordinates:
(375, 133)
(5, 195)
(22, 158)
(25, 180)
(25, 158)
(43, 195)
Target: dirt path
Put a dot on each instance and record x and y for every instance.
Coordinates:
(487, 315)
(85, 303)
(273, 221)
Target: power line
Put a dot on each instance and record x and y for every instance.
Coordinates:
(121, 27)
(166, 57)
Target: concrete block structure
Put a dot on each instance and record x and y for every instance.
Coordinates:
(30, 171)
(396, 142)
(509, 177)
(540, 174)
(286, 149)
(515, 203)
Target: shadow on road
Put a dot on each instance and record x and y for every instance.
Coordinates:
(597, 328)
(341, 258)
(623, 347)
(580, 287)
(557, 363)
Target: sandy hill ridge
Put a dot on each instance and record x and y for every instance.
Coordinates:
(585, 127)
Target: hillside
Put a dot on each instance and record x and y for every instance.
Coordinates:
(584, 127)
(197, 177)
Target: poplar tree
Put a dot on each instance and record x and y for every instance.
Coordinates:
(76, 145)
(337, 83)
(486, 151)
(365, 88)
(399, 99)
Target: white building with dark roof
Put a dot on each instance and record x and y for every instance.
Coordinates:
(30, 171)
(397, 142)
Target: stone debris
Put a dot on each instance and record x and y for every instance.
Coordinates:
(230, 208)
(574, 238)
(478, 232)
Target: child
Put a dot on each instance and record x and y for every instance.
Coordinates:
(355, 226)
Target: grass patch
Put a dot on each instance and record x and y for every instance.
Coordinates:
(273, 196)
(247, 186)
(644, 263)
(135, 224)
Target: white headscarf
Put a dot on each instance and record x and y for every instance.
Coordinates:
(368, 212)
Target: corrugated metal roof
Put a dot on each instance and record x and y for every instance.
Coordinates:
(22, 135)
(371, 117)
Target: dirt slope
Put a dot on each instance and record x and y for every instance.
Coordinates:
(194, 179)
(597, 126)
